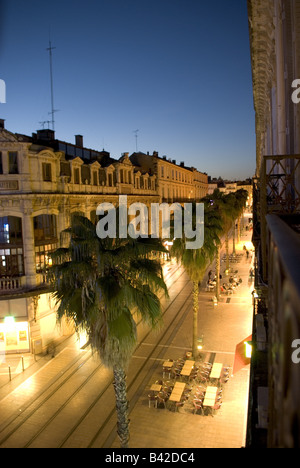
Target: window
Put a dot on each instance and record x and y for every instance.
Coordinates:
(42, 256)
(13, 162)
(11, 247)
(1, 167)
(95, 178)
(11, 263)
(10, 230)
(47, 172)
(76, 176)
(44, 229)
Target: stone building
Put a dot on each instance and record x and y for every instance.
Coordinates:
(43, 182)
(175, 183)
(274, 416)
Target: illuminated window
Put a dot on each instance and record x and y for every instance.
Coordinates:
(11, 247)
(10, 230)
(43, 257)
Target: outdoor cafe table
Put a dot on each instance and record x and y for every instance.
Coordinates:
(155, 388)
(168, 364)
(177, 391)
(187, 368)
(210, 396)
(216, 370)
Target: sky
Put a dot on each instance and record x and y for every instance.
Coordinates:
(172, 76)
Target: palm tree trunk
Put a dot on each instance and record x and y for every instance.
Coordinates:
(195, 318)
(121, 405)
(233, 239)
(227, 251)
(239, 229)
(218, 272)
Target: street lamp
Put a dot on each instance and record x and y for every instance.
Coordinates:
(200, 343)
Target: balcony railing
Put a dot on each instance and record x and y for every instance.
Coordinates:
(279, 187)
(283, 245)
(280, 184)
(10, 284)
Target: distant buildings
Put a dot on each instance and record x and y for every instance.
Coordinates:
(43, 183)
(226, 187)
(174, 183)
(274, 416)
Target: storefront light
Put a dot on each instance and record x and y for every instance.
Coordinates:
(248, 349)
(9, 320)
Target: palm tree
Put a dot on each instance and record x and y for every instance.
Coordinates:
(228, 207)
(100, 284)
(196, 261)
(241, 196)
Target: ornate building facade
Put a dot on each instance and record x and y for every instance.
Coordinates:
(43, 182)
(274, 417)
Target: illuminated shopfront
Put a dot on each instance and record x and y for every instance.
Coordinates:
(14, 336)
(14, 327)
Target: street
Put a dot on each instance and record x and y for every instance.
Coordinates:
(68, 401)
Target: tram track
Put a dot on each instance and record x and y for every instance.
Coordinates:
(31, 409)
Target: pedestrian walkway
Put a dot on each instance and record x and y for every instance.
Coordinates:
(222, 326)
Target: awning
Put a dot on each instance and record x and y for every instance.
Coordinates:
(241, 359)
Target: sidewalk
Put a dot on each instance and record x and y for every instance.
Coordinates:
(223, 326)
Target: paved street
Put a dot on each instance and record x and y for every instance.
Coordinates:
(223, 326)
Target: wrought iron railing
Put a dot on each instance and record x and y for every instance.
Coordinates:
(279, 187)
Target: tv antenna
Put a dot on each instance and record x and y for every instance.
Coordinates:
(50, 48)
(45, 122)
(136, 137)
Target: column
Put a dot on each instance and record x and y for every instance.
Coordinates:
(29, 250)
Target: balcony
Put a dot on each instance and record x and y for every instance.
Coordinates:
(283, 248)
(279, 193)
(11, 285)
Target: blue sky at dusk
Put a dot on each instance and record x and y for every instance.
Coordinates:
(177, 70)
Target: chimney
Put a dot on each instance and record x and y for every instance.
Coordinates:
(2, 124)
(182, 164)
(79, 140)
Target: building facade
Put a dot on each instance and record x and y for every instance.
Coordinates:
(274, 416)
(175, 183)
(43, 183)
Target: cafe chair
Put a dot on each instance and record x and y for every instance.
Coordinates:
(152, 398)
(176, 373)
(216, 407)
(179, 404)
(162, 399)
(197, 406)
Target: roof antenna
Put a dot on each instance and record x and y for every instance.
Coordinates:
(136, 137)
(50, 48)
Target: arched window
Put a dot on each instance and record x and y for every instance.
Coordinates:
(11, 247)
